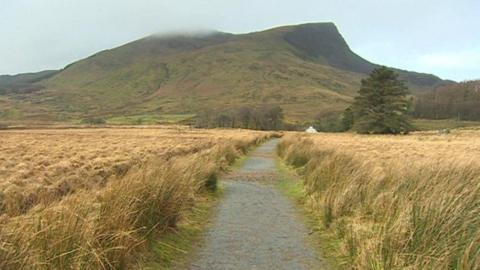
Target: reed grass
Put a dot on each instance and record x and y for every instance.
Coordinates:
(401, 212)
(108, 227)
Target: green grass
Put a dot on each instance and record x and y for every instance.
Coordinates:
(327, 243)
(428, 124)
(150, 119)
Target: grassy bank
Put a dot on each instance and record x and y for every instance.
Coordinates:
(110, 227)
(391, 214)
(171, 249)
(328, 245)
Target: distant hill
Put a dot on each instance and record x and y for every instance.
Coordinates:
(306, 69)
(21, 82)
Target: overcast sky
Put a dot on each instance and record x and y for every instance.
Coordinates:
(435, 36)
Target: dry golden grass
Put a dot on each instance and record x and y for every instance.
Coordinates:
(41, 165)
(89, 198)
(395, 201)
(458, 146)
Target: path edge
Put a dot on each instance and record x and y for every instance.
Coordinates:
(176, 248)
(323, 241)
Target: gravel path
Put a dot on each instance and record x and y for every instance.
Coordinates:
(256, 227)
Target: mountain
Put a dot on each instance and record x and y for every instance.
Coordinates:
(306, 69)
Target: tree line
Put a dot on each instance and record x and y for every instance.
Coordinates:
(380, 107)
(266, 117)
(460, 101)
(383, 105)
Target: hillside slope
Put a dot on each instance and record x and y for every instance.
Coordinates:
(306, 69)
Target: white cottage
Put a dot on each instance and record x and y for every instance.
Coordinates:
(311, 130)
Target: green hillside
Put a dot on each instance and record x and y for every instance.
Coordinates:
(22, 82)
(306, 69)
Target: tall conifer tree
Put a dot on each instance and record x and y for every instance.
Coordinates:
(381, 105)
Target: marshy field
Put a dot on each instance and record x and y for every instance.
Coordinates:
(89, 198)
(394, 202)
(93, 198)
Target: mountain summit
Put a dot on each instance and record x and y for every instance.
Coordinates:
(322, 42)
(306, 69)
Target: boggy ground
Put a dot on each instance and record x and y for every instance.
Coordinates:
(256, 227)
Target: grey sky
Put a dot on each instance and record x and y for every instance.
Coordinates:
(435, 36)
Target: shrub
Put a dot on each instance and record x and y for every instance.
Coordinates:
(94, 121)
(211, 183)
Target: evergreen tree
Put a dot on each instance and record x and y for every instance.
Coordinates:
(381, 106)
(347, 119)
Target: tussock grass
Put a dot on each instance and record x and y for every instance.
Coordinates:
(405, 211)
(107, 227)
(39, 167)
